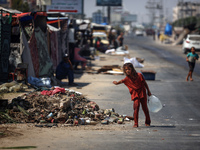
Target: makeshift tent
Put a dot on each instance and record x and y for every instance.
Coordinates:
(57, 38)
(34, 44)
(54, 46)
(5, 34)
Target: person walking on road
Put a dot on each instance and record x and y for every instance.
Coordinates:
(191, 59)
(137, 87)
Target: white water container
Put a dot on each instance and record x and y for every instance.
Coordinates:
(154, 104)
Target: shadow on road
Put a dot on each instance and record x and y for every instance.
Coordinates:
(170, 126)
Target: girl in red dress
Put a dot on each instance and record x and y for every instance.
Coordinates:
(137, 87)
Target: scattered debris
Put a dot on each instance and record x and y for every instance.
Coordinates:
(58, 105)
(107, 68)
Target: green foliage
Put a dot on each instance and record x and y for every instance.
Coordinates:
(187, 22)
(20, 5)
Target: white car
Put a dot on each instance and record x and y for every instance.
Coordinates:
(191, 41)
(139, 33)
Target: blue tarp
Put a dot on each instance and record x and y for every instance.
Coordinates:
(168, 29)
(104, 23)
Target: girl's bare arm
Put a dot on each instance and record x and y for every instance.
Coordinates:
(116, 83)
(147, 87)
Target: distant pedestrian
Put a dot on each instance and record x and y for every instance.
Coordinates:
(191, 59)
(120, 39)
(137, 87)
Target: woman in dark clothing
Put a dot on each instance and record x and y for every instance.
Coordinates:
(120, 39)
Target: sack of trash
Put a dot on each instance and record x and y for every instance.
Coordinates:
(134, 61)
(154, 104)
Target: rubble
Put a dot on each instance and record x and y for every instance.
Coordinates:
(47, 108)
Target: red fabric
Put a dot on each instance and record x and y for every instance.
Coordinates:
(21, 15)
(98, 43)
(136, 87)
(34, 54)
(58, 90)
(53, 21)
(52, 92)
(45, 92)
(136, 107)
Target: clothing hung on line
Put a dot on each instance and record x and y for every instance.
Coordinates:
(46, 65)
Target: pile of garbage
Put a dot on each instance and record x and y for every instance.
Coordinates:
(57, 105)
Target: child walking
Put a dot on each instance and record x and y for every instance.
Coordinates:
(191, 59)
(137, 87)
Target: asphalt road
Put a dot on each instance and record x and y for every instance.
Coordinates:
(176, 126)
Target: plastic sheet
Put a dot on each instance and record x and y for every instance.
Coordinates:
(40, 82)
(134, 61)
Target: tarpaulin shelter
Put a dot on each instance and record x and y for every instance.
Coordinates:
(33, 40)
(57, 40)
(40, 48)
(5, 37)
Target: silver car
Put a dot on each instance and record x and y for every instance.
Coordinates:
(192, 40)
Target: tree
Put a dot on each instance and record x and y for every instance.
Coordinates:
(20, 5)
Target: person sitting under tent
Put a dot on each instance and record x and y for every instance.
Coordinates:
(79, 59)
(65, 69)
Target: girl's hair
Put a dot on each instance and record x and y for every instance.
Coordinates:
(130, 65)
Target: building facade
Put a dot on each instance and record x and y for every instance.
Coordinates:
(186, 9)
(97, 17)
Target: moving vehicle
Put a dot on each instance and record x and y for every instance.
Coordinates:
(192, 40)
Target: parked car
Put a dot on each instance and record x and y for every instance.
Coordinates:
(192, 40)
(139, 33)
(150, 32)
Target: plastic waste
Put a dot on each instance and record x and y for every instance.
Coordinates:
(120, 121)
(81, 121)
(104, 122)
(75, 123)
(50, 115)
(134, 61)
(154, 104)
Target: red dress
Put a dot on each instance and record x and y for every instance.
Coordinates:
(138, 95)
(136, 87)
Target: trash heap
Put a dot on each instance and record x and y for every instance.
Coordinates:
(58, 105)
